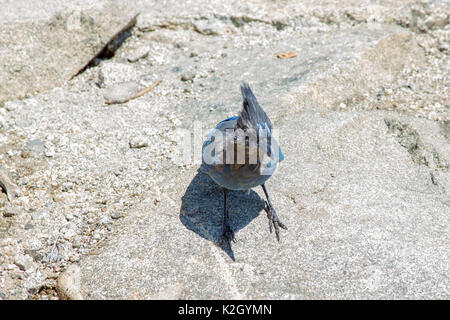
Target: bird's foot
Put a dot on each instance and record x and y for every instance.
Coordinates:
(227, 234)
(274, 221)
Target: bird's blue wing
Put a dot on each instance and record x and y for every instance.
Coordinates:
(223, 125)
(227, 123)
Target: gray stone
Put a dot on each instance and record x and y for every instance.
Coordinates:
(18, 294)
(104, 220)
(9, 211)
(36, 146)
(8, 186)
(138, 53)
(50, 151)
(69, 232)
(172, 292)
(117, 215)
(187, 76)
(364, 219)
(24, 262)
(116, 74)
(35, 282)
(65, 37)
(138, 141)
(68, 284)
(120, 92)
(34, 244)
(362, 117)
(208, 27)
(28, 226)
(12, 105)
(39, 214)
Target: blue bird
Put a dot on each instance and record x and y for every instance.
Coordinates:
(240, 154)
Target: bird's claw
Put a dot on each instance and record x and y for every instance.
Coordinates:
(227, 234)
(274, 220)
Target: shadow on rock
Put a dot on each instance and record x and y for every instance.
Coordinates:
(202, 209)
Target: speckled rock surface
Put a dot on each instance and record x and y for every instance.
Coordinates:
(362, 115)
(45, 43)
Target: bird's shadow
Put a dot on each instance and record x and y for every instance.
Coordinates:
(202, 210)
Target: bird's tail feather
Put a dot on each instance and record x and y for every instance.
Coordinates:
(252, 115)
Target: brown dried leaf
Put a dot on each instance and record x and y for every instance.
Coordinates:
(286, 55)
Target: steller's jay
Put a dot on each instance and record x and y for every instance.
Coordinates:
(240, 153)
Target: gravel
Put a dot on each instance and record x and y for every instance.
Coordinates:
(105, 201)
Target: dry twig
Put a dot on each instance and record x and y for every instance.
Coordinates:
(137, 95)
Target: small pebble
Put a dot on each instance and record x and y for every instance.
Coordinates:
(10, 211)
(120, 92)
(188, 76)
(112, 73)
(24, 262)
(138, 53)
(13, 105)
(116, 215)
(35, 282)
(138, 142)
(28, 226)
(104, 220)
(68, 284)
(35, 146)
(40, 214)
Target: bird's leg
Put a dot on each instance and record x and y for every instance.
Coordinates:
(272, 215)
(227, 233)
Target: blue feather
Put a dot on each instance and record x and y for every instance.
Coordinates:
(245, 176)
